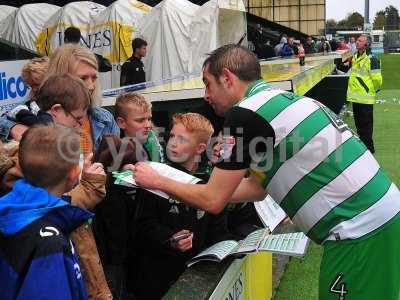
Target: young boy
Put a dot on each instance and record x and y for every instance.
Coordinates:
(161, 254)
(133, 116)
(29, 113)
(37, 257)
(65, 100)
(119, 208)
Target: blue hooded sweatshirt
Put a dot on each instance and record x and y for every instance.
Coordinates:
(37, 258)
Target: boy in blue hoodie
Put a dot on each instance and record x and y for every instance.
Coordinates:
(37, 257)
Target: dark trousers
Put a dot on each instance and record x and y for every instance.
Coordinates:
(364, 120)
(115, 275)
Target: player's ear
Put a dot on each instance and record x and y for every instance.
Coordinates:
(227, 77)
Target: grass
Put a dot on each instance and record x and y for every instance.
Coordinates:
(390, 64)
(300, 281)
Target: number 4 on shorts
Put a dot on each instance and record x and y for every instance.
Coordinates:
(338, 287)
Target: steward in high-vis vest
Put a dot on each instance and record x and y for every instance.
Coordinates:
(311, 164)
(365, 80)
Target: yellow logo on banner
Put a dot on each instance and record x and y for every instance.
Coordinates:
(113, 36)
(117, 39)
(42, 42)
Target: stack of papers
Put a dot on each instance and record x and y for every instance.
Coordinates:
(292, 244)
(270, 213)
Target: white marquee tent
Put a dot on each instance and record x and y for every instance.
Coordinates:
(114, 29)
(180, 34)
(23, 25)
(76, 14)
(216, 23)
(167, 30)
(5, 11)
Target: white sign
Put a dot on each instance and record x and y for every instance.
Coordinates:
(13, 90)
(231, 285)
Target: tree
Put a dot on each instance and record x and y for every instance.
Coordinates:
(331, 26)
(331, 23)
(355, 20)
(342, 24)
(392, 18)
(380, 19)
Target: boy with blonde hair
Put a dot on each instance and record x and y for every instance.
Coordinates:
(133, 116)
(170, 232)
(33, 74)
(115, 217)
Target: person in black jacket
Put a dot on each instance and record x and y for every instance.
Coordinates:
(160, 258)
(115, 214)
(132, 71)
(309, 47)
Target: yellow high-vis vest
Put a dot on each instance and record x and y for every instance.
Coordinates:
(365, 79)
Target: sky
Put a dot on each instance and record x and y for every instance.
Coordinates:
(338, 9)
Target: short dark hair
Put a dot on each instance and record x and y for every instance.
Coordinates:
(67, 90)
(105, 155)
(72, 35)
(138, 43)
(237, 59)
(47, 153)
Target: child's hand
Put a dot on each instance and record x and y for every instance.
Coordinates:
(92, 168)
(182, 240)
(128, 167)
(17, 131)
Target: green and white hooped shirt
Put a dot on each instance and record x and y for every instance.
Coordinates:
(319, 172)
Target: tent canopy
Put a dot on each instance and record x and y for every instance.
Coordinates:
(23, 25)
(5, 11)
(180, 34)
(113, 30)
(167, 30)
(76, 14)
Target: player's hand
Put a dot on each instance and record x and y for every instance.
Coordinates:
(182, 244)
(287, 221)
(145, 176)
(92, 168)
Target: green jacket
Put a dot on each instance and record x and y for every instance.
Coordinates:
(365, 79)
